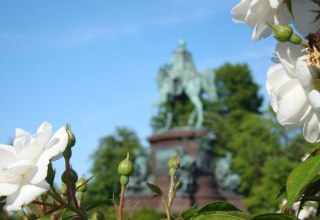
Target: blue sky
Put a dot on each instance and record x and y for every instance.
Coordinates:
(93, 63)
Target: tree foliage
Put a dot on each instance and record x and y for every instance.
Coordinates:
(236, 89)
(258, 143)
(112, 149)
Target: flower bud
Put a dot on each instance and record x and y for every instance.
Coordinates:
(73, 177)
(124, 180)
(72, 138)
(174, 162)
(63, 187)
(126, 167)
(44, 196)
(295, 39)
(282, 32)
(97, 216)
(81, 184)
(172, 171)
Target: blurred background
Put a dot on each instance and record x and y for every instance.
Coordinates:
(93, 64)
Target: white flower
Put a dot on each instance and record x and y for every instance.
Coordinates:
(257, 13)
(23, 166)
(304, 13)
(308, 210)
(294, 88)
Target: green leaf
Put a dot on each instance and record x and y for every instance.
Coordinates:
(219, 217)
(177, 185)
(281, 191)
(275, 216)
(300, 177)
(51, 173)
(155, 189)
(315, 153)
(218, 206)
(188, 214)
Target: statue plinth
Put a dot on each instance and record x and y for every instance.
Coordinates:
(187, 143)
(199, 187)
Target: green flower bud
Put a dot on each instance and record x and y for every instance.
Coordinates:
(67, 153)
(73, 177)
(63, 187)
(124, 180)
(72, 138)
(172, 171)
(174, 162)
(97, 216)
(126, 167)
(282, 32)
(80, 196)
(81, 184)
(295, 39)
(43, 197)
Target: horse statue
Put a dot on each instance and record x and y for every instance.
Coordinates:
(181, 77)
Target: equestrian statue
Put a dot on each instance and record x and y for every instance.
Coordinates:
(181, 77)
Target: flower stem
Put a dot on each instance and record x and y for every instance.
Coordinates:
(304, 43)
(120, 207)
(82, 215)
(171, 193)
(165, 206)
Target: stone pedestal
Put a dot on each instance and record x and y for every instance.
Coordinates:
(164, 145)
(191, 142)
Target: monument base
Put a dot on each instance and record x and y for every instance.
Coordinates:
(203, 188)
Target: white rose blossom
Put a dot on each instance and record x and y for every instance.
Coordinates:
(294, 88)
(23, 166)
(257, 13)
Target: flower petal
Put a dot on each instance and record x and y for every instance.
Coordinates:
(32, 149)
(261, 31)
(304, 73)
(293, 103)
(275, 3)
(288, 54)
(26, 194)
(20, 167)
(9, 183)
(22, 138)
(276, 77)
(7, 156)
(240, 11)
(8, 188)
(314, 98)
(53, 151)
(311, 129)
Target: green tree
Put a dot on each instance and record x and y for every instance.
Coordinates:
(236, 89)
(111, 151)
(258, 143)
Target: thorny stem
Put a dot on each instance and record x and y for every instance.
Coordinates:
(71, 194)
(44, 204)
(120, 207)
